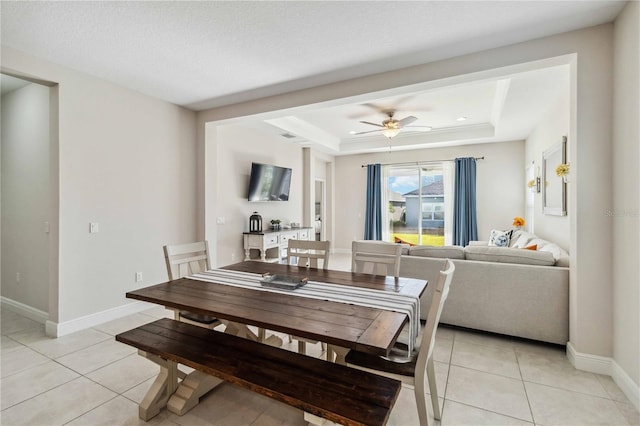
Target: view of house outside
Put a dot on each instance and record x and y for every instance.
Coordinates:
(416, 205)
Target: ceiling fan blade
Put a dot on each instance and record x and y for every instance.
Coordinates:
(372, 124)
(418, 128)
(362, 133)
(407, 120)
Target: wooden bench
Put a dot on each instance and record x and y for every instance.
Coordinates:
(321, 389)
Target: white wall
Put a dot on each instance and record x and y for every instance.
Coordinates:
(25, 196)
(553, 126)
(625, 212)
(500, 185)
(236, 147)
(126, 161)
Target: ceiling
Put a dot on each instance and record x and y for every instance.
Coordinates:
(212, 53)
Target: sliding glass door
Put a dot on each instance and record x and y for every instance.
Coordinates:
(417, 204)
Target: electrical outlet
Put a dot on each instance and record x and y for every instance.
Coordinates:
(17, 277)
(233, 256)
(93, 228)
(138, 277)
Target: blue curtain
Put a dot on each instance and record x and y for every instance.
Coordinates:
(373, 214)
(465, 223)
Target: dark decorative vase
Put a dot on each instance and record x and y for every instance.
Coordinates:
(255, 222)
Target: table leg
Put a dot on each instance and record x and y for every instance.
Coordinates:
(340, 354)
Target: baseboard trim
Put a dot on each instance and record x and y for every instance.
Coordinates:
(587, 362)
(608, 366)
(63, 328)
(24, 310)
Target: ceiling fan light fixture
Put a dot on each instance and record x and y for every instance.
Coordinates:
(390, 132)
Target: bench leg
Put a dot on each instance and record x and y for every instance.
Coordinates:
(161, 389)
(188, 393)
(312, 419)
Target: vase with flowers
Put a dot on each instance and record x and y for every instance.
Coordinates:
(518, 222)
(563, 171)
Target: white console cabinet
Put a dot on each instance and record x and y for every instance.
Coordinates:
(272, 245)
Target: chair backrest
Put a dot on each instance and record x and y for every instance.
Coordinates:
(309, 252)
(376, 257)
(440, 294)
(186, 259)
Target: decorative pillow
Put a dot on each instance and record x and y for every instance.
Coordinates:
(500, 238)
(533, 247)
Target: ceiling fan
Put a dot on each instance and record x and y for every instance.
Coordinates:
(391, 127)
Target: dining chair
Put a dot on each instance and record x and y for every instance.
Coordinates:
(376, 257)
(188, 259)
(412, 371)
(308, 254)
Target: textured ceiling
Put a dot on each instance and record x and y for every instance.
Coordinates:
(206, 54)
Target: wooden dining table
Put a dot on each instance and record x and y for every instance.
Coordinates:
(343, 326)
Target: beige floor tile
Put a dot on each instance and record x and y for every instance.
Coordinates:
(555, 370)
(484, 339)
(460, 414)
(136, 394)
(14, 323)
(404, 411)
(96, 356)
(158, 312)
(7, 344)
(225, 405)
(488, 391)
(553, 406)
(629, 412)
(445, 332)
(123, 324)
(59, 405)
(612, 389)
(122, 375)
(118, 411)
(33, 381)
(280, 414)
(19, 360)
(490, 359)
(443, 348)
(60, 346)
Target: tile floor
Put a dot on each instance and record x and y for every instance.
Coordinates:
(87, 378)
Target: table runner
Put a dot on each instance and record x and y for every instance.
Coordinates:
(396, 302)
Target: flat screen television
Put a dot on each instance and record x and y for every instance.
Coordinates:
(269, 183)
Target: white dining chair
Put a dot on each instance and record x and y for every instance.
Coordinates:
(188, 259)
(308, 254)
(413, 371)
(376, 257)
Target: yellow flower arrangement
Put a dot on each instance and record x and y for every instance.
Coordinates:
(562, 170)
(518, 221)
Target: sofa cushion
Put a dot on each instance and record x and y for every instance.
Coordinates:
(509, 255)
(449, 252)
(499, 238)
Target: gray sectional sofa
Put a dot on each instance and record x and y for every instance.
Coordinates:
(505, 290)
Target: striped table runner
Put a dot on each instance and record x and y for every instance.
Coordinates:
(396, 302)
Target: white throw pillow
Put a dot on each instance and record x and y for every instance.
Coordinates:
(499, 238)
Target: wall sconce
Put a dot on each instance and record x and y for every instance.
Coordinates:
(534, 185)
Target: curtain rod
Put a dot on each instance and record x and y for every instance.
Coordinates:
(418, 163)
